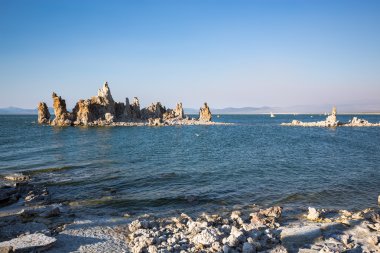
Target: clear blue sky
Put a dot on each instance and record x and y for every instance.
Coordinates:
(229, 53)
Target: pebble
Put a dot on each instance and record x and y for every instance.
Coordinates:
(248, 248)
(6, 249)
(313, 214)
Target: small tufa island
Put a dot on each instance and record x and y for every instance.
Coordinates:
(102, 110)
(331, 121)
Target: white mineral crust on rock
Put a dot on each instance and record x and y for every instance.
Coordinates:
(331, 121)
(30, 243)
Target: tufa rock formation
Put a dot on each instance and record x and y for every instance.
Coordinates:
(205, 113)
(104, 100)
(102, 110)
(83, 112)
(356, 122)
(62, 116)
(178, 111)
(331, 121)
(153, 111)
(43, 113)
(155, 122)
(135, 108)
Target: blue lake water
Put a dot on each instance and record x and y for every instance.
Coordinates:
(197, 168)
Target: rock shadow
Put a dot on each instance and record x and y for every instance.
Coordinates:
(70, 243)
(303, 237)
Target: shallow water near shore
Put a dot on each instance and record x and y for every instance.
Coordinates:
(192, 169)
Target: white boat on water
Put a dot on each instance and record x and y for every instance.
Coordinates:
(272, 115)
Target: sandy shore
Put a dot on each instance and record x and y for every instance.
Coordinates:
(28, 221)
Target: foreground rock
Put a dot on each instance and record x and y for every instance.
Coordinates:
(29, 243)
(249, 231)
(102, 110)
(207, 233)
(331, 121)
(40, 226)
(265, 230)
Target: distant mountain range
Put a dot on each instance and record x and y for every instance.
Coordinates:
(21, 111)
(233, 110)
(300, 109)
(16, 110)
(317, 109)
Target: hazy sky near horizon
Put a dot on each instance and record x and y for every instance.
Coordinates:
(229, 53)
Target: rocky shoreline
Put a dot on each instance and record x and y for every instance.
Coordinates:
(30, 221)
(102, 110)
(331, 121)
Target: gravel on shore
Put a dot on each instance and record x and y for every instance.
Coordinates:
(30, 222)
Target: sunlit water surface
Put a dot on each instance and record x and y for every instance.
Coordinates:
(113, 170)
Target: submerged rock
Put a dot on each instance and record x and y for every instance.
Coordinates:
(52, 212)
(38, 196)
(8, 195)
(17, 177)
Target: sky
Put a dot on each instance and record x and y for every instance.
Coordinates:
(230, 53)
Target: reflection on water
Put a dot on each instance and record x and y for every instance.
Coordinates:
(197, 168)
